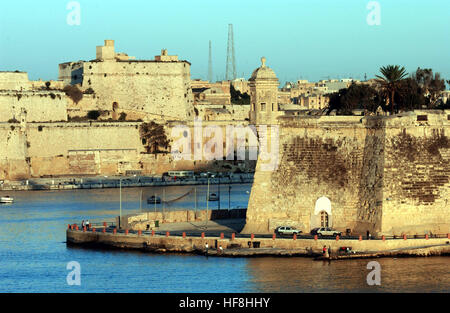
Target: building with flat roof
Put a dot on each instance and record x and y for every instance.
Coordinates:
(150, 89)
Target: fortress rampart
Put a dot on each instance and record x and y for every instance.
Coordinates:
(93, 148)
(33, 106)
(385, 175)
(160, 87)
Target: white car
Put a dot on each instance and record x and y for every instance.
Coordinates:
(326, 231)
(287, 230)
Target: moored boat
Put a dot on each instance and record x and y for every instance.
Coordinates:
(6, 199)
(213, 197)
(153, 200)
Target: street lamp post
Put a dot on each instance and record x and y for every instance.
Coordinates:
(140, 202)
(195, 192)
(120, 200)
(229, 196)
(207, 206)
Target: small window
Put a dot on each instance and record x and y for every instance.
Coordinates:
(263, 107)
(422, 117)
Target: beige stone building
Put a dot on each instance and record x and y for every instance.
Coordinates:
(241, 85)
(158, 89)
(314, 101)
(208, 93)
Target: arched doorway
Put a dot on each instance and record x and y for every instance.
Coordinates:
(115, 107)
(322, 214)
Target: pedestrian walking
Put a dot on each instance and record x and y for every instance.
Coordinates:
(87, 224)
(206, 248)
(82, 224)
(325, 252)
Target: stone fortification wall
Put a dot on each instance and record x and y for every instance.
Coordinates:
(158, 88)
(83, 148)
(417, 174)
(14, 81)
(45, 149)
(146, 220)
(383, 175)
(13, 155)
(93, 148)
(236, 112)
(319, 157)
(33, 106)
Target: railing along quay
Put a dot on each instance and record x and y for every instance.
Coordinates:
(110, 227)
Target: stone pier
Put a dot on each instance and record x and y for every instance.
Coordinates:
(246, 247)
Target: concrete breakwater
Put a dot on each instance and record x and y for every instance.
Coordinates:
(68, 183)
(250, 247)
(147, 220)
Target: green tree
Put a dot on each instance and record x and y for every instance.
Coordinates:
(357, 96)
(391, 82)
(431, 85)
(410, 96)
(153, 137)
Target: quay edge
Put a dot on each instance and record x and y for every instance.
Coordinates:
(239, 247)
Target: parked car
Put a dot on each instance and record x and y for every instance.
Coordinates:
(325, 231)
(287, 230)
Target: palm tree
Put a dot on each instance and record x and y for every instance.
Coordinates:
(390, 82)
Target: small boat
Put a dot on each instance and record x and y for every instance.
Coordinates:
(6, 199)
(153, 200)
(213, 197)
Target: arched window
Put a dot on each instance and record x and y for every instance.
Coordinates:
(324, 219)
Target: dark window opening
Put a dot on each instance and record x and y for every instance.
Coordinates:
(422, 117)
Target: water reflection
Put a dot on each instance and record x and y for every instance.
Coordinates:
(306, 275)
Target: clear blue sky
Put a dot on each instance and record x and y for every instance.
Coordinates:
(308, 39)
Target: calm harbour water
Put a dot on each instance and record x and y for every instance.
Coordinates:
(34, 255)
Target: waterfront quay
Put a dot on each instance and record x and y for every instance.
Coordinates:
(100, 182)
(251, 245)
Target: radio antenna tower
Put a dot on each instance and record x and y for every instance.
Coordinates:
(231, 62)
(210, 71)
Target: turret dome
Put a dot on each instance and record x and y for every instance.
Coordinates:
(263, 72)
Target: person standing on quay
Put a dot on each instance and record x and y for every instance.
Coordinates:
(206, 248)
